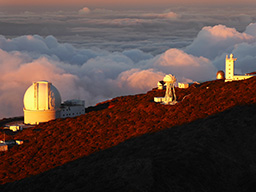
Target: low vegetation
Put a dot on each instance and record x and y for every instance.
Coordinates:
(206, 142)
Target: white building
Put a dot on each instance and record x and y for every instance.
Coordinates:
(72, 108)
(183, 85)
(230, 65)
(42, 103)
(14, 128)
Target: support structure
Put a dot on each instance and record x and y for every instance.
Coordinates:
(170, 96)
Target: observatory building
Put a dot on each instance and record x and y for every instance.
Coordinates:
(230, 65)
(220, 75)
(42, 103)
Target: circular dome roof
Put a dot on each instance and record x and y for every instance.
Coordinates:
(220, 75)
(169, 78)
(42, 95)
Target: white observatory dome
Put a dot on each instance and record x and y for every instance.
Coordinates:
(42, 103)
(42, 95)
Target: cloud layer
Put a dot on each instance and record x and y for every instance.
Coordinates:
(214, 40)
(96, 75)
(153, 31)
(84, 11)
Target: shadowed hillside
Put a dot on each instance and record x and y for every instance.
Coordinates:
(213, 154)
(204, 143)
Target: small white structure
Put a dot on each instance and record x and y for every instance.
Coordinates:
(72, 108)
(183, 85)
(230, 65)
(42, 103)
(4, 145)
(220, 75)
(170, 97)
(160, 85)
(19, 142)
(14, 128)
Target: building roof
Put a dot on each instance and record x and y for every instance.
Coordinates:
(42, 95)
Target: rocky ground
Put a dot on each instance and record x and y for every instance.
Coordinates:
(206, 142)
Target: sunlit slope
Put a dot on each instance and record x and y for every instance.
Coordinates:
(212, 154)
(210, 140)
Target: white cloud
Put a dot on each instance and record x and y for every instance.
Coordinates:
(251, 29)
(19, 74)
(137, 80)
(92, 75)
(137, 55)
(213, 41)
(246, 58)
(109, 66)
(95, 75)
(184, 65)
(37, 46)
(84, 11)
(104, 11)
(128, 21)
(167, 15)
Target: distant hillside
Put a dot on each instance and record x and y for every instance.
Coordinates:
(207, 142)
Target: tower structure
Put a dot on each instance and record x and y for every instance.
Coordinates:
(230, 62)
(230, 66)
(170, 96)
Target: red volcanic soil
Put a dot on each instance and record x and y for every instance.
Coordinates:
(209, 110)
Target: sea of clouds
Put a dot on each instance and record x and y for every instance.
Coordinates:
(95, 74)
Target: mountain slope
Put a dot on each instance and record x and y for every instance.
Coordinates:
(203, 145)
(212, 154)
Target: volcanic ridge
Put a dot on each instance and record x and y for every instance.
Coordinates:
(206, 142)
